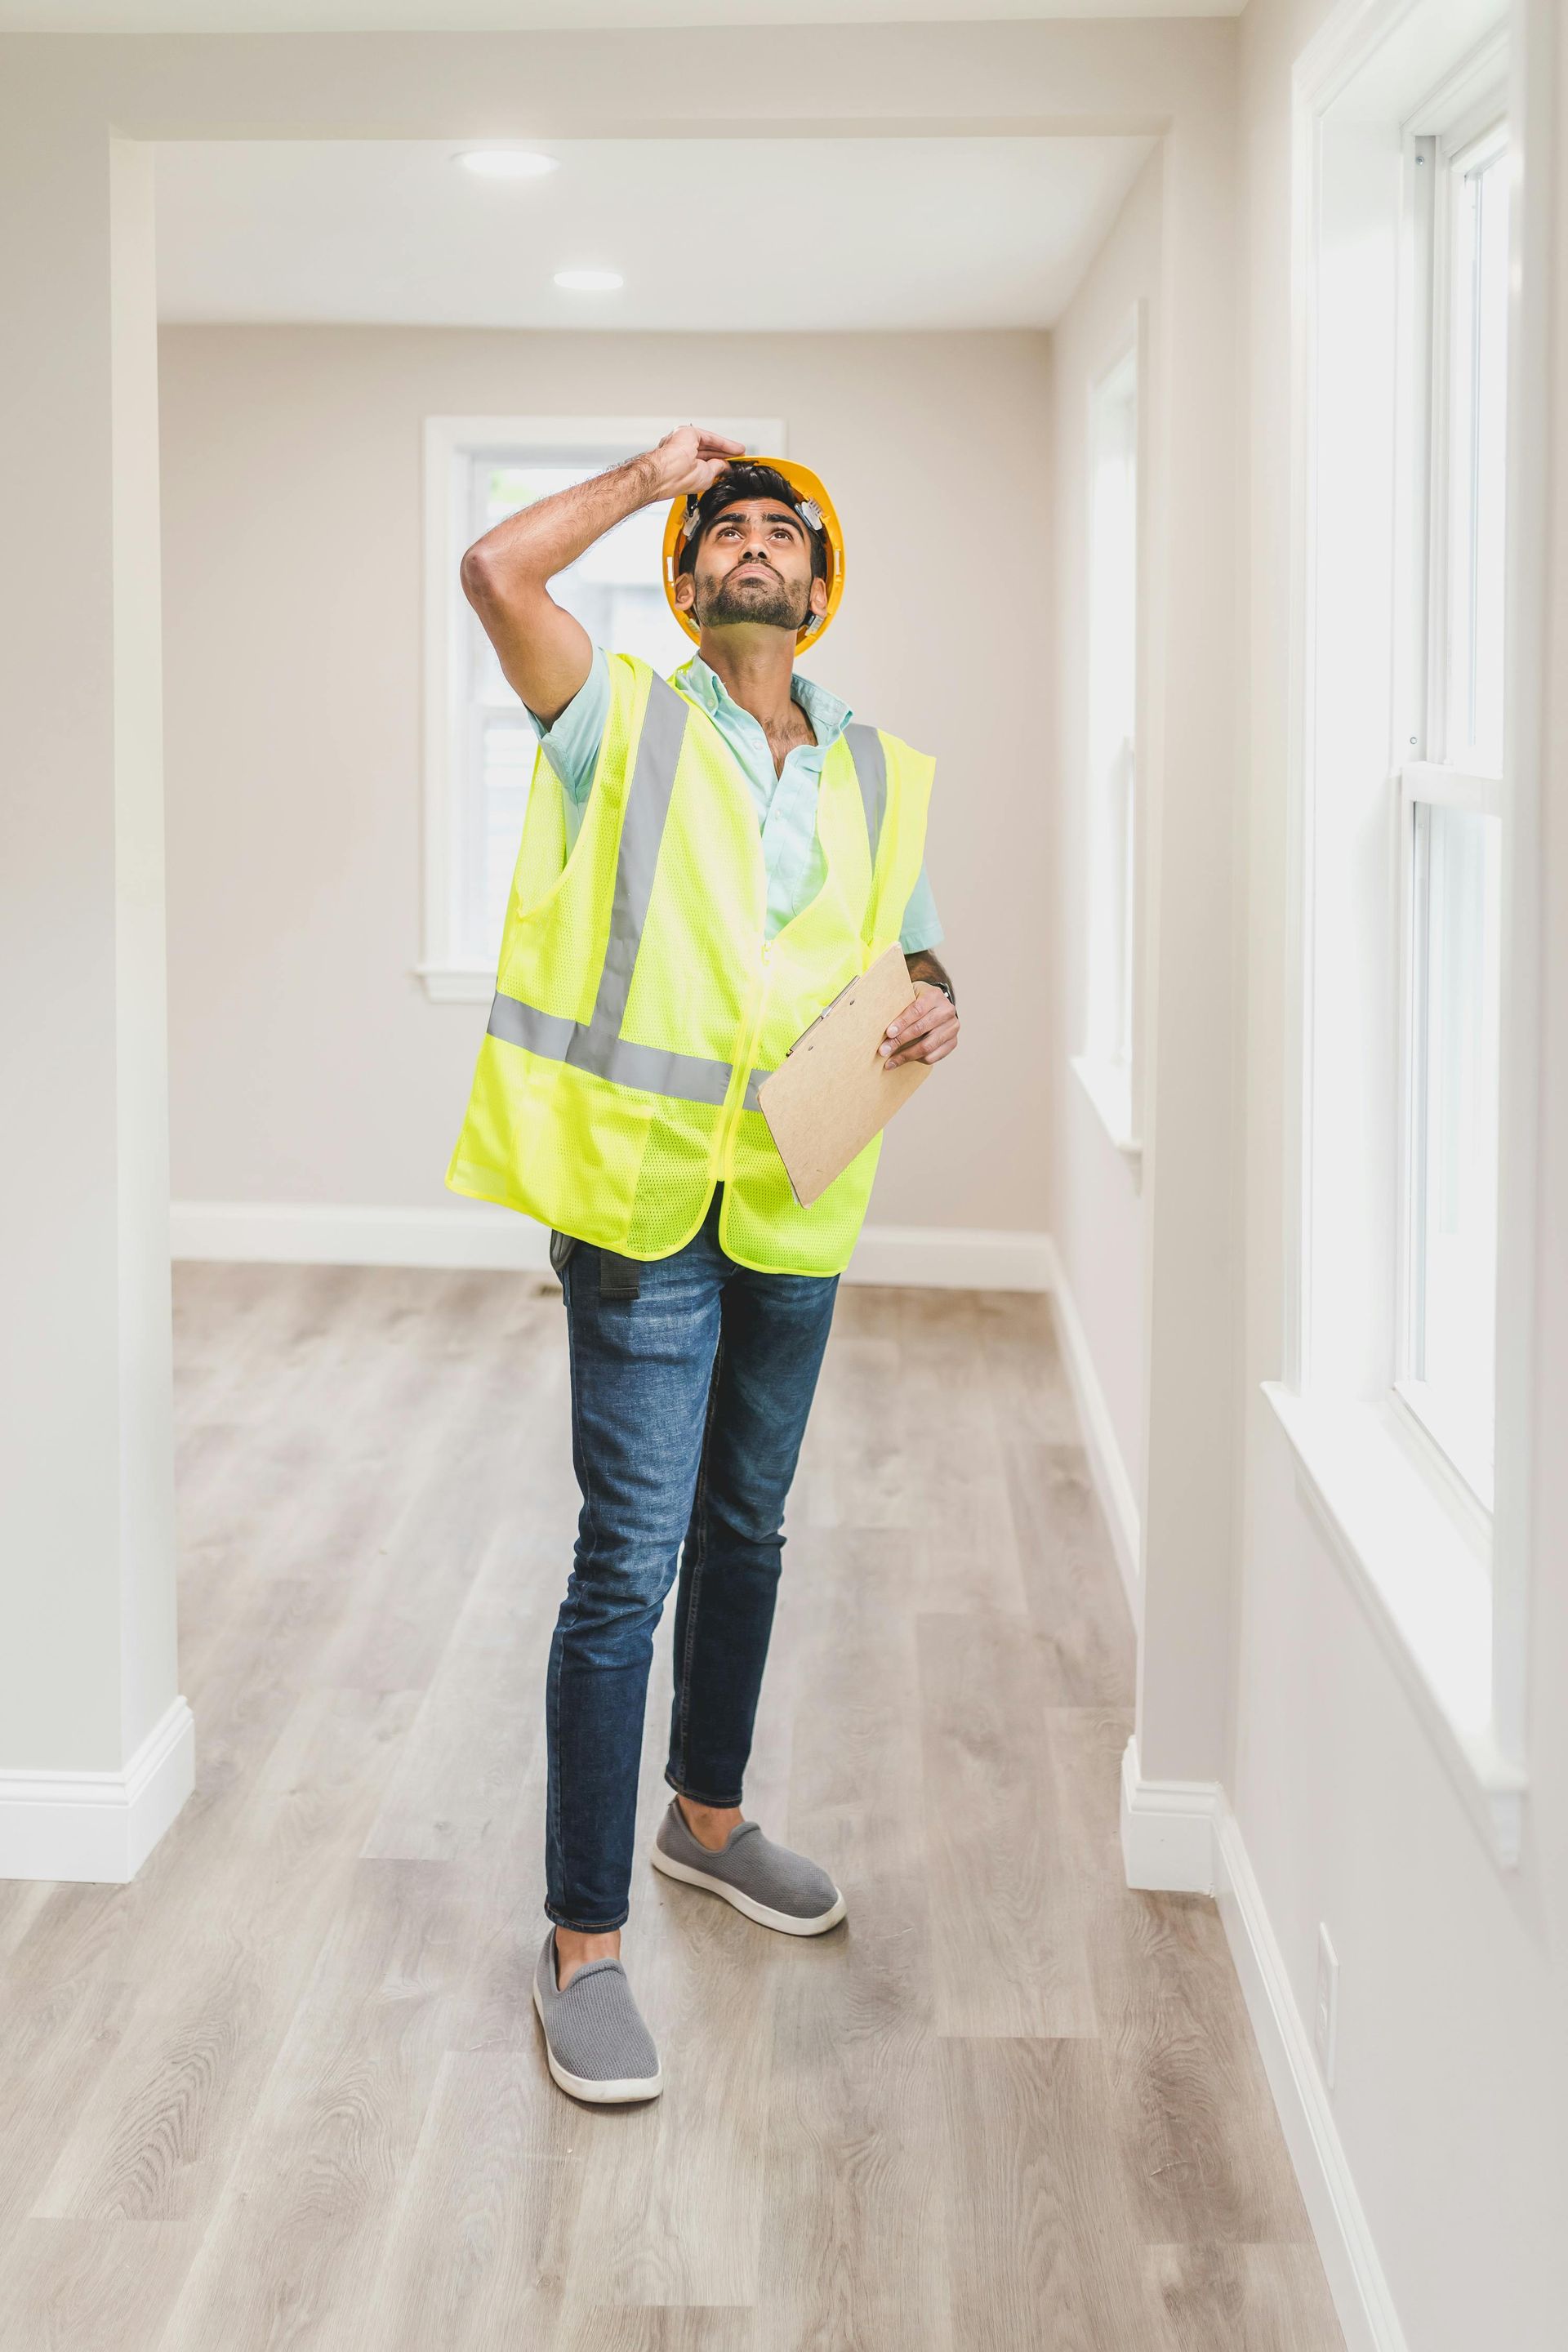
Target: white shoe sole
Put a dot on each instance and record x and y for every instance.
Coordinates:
(602, 2094)
(786, 1922)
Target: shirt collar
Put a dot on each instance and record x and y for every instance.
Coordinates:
(829, 715)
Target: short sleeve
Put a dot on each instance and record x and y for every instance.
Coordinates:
(572, 745)
(922, 925)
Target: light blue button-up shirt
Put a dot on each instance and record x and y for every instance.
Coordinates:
(785, 798)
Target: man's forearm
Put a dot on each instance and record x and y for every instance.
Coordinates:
(532, 545)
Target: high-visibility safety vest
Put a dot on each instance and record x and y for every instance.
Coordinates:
(639, 1004)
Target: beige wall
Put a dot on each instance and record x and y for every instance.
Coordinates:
(307, 1066)
(1097, 1210)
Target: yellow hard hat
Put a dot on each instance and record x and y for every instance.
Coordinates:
(810, 495)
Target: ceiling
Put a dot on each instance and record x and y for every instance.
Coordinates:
(532, 15)
(744, 235)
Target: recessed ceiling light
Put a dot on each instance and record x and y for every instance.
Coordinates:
(589, 281)
(507, 163)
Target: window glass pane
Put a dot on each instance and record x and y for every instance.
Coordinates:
(1479, 446)
(1457, 948)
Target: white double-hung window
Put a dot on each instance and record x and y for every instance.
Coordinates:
(1409, 932)
(479, 744)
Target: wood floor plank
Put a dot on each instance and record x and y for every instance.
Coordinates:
(1007, 1955)
(56, 2038)
(855, 1796)
(854, 2249)
(855, 1465)
(1041, 2235)
(478, 2245)
(75, 2286)
(663, 2328)
(22, 1901)
(1021, 1362)
(294, 2248)
(219, 1970)
(1068, 1572)
(970, 1547)
(1202, 2151)
(1245, 2298)
(453, 1794)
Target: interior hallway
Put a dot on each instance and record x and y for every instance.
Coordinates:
(287, 2087)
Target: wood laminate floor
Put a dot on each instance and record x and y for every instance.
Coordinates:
(286, 2090)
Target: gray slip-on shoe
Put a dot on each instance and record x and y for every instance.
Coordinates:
(594, 2039)
(767, 1882)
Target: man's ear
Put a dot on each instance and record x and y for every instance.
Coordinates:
(818, 595)
(685, 581)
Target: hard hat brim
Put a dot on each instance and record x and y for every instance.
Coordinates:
(802, 480)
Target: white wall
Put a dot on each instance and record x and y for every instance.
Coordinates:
(1097, 1210)
(1452, 2078)
(307, 1066)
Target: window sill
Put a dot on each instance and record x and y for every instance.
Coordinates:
(1423, 1584)
(1108, 1085)
(458, 983)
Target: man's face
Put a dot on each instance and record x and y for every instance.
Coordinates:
(753, 563)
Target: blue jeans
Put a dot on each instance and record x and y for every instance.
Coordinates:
(689, 1405)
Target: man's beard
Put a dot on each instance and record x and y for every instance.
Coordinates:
(775, 608)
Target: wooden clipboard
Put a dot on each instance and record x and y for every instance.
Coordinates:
(833, 1091)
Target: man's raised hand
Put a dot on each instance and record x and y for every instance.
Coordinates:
(692, 459)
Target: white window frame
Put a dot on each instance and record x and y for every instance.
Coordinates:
(450, 977)
(1443, 1586)
(1110, 1071)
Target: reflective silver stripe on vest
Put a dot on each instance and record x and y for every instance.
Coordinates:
(642, 829)
(690, 1078)
(871, 772)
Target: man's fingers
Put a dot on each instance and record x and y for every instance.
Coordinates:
(925, 1049)
(922, 1037)
(923, 1015)
(709, 442)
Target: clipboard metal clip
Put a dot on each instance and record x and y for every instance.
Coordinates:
(832, 1003)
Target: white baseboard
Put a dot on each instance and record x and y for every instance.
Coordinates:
(1181, 1837)
(951, 1257)
(1355, 2274)
(1167, 1830)
(99, 1826)
(474, 1235)
(1107, 1467)
(296, 1233)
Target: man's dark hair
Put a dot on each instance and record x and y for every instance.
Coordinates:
(746, 480)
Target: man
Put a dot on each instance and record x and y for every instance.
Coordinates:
(725, 851)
